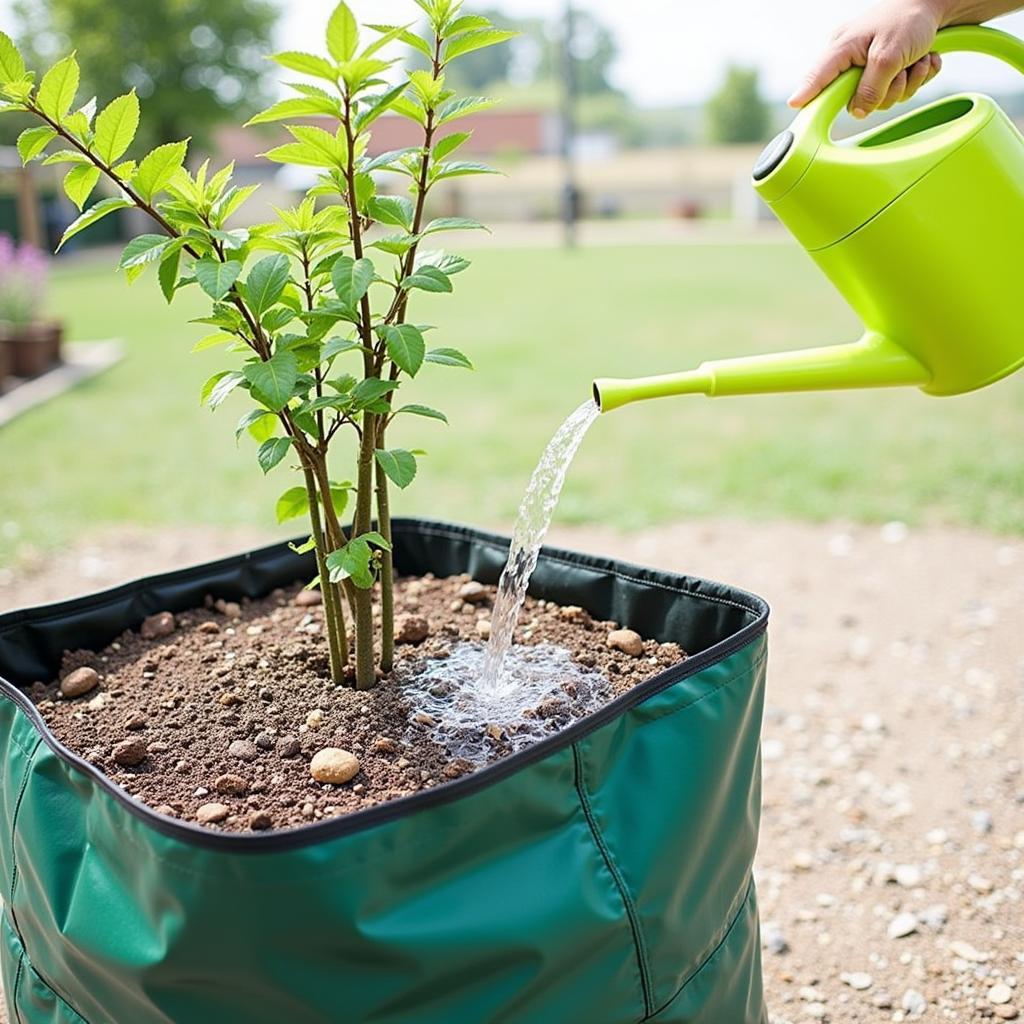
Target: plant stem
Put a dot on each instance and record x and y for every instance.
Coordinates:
(334, 616)
(387, 567)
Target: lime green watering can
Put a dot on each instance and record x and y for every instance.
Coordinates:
(920, 225)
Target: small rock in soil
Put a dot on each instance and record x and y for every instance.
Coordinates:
(135, 722)
(129, 753)
(474, 592)
(260, 821)
(308, 598)
(244, 750)
(156, 626)
(411, 629)
(913, 1002)
(231, 785)
(210, 814)
(483, 629)
(81, 681)
(902, 925)
(334, 765)
(288, 746)
(627, 641)
(858, 980)
(1000, 993)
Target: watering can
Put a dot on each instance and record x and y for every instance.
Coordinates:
(920, 225)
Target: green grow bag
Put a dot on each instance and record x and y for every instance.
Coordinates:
(601, 876)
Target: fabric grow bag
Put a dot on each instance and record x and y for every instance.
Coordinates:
(602, 876)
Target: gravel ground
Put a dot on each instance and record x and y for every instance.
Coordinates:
(891, 865)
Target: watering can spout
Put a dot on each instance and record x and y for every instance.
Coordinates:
(872, 362)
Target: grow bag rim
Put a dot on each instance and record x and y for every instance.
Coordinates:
(285, 839)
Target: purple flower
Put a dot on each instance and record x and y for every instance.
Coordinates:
(24, 277)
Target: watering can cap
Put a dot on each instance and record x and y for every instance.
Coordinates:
(824, 189)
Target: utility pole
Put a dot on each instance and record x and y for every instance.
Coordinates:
(570, 190)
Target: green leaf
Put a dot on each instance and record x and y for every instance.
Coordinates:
(142, 250)
(394, 210)
(167, 272)
(12, 66)
(218, 387)
(292, 504)
(57, 90)
(261, 425)
(351, 279)
(342, 34)
(448, 357)
(378, 105)
(476, 39)
(67, 156)
(447, 262)
(79, 183)
(396, 245)
(455, 109)
(371, 390)
(453, 224)
(385, 160)
(336, 346)
(96, 212)
(423, 410)
(407, 37)
(274, 380)
(158, 167)
(398, 464)
(307, 64)
(406, 347)
(449, 144)
(32, 141)
(354, 561)
(266, 282)
(313, 148)
(372, 537)
(216, 278)
(297, 106)
(429, 279)
(116, 126)
(212, 341)
(467, 23)
(272, 452)
(460, 169)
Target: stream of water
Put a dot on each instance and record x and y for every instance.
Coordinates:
(532, 522)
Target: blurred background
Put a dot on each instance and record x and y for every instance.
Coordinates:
(626, 240)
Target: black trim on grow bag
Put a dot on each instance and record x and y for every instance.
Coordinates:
(103, 616)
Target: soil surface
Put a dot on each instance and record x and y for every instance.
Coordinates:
(891, 862)
(219, 715)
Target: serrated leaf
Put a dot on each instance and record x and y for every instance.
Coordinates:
(96, 212)
(266, 282)
(456, 109)
(453, 224)
(216, 278)
(448, 357)
(342, 34)
(274, 380)
(116, 126)
(351, 279)
(406, 347)
(398, 464)
(467, 23)
(218, 387)
(336, 346)
(57, 90)
(158, 167)
(167, 273)
(12, 65)
(296, 106)
(370, 390)
(461, 169)
(378, 105)
(307, 64)
(384, 160)
(354, 561)
(449, 144)
(272, 452)
(423, 410)
(407, 37)
(142, 250)
(79, 183)
(447, 262)
(213, 341)
(394, 210)
(259, 423)
(396, 245)
(292, 504)
(476, 39)
(32, 141)
(428, 279)
(66, 156)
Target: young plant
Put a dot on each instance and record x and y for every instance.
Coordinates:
(315, 306)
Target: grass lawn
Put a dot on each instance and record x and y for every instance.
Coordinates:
(133, 445)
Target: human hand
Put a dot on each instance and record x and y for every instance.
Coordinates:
(891, 41)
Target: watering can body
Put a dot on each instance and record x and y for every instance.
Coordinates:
(918, 223)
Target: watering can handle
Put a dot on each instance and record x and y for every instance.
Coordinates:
(834, 99)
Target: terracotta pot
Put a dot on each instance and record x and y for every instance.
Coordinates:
(32, 349)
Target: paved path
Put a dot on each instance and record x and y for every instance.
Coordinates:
(893, 747)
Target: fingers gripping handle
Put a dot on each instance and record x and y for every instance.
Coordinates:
(822, 112)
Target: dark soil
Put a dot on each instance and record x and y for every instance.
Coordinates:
(230, 704)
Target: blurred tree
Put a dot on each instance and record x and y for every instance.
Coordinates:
(737, 112)
(194, 62)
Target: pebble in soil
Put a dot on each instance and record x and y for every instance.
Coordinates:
(216, 715)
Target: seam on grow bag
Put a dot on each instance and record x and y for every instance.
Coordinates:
(633, 917)
(14, 830)
(17, 982)
(309, 835)
(729, 928)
